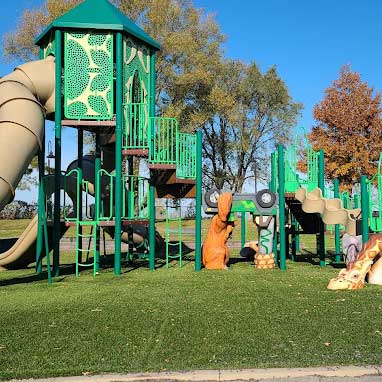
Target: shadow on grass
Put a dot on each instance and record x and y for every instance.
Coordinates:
(306, 256)
(138, 261)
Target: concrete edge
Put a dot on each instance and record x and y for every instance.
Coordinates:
(223, 375)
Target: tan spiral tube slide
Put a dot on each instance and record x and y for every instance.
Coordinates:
(26, 97)
(331, 210)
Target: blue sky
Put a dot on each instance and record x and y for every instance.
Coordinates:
(308, 41)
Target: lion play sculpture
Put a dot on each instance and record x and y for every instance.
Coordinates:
(215, 250)
(368, 261)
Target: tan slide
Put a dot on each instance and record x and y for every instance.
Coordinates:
(24, 243)
(26, 97)
(331, 210)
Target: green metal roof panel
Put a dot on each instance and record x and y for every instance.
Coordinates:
(98, 14)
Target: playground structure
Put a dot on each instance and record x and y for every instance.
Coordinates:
(309, 212)
(311, 205)
(97, 73)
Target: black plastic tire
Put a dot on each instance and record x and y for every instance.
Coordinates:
(260, 201)
(207, 198)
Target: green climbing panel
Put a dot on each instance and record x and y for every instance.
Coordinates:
(136, 72)
(374, 190)
(186, 160)
(136, 80)
(88, 77)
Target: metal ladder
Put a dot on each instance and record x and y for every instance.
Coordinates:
(92, 246)
(178, 255)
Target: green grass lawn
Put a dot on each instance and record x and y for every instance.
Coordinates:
(176, 319)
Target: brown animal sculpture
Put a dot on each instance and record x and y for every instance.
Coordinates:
(353, 277)
(215, 250)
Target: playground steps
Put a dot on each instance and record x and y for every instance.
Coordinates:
(309, 223)
(168, 185)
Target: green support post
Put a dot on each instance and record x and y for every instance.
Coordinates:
(281, 191)
(118, 154)
(321, 233)
(243, 228)
(337, 238)
(198, 208)
(297, 242)
(57, 153)
(40, 208)
(41, 197)
(97, 212)
(294, 235)
(130, 206)
(273, 188)
(152, 180)
(272, 184)
(152, 224)
(80, 154)
(364, 209)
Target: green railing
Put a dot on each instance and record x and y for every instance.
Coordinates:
(350, 201)
(135, 197)
(105, 185)
(164, 140)
(312, 169)
(73, 187)
(136, 132)
(72, 180)
(186, 160)
(374, 190)
(292, 179)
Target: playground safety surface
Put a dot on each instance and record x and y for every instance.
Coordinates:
(317, 374)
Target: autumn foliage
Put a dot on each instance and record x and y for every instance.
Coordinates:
(349, 129)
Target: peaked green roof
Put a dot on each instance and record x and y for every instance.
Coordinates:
(97, 14)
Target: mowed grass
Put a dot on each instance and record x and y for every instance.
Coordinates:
(177, 319)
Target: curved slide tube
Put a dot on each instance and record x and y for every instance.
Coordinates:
(26, 96)
(24, 244)
(331, 210)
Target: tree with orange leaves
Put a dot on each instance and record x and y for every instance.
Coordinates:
(349, 128)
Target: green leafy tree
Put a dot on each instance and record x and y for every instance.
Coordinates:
(250, 112)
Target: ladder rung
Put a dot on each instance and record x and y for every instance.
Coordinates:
(85, 250)
(85, 265)
(85, 236)
(174, 256)
(174, 244)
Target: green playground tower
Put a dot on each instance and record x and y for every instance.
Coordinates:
(105, 83)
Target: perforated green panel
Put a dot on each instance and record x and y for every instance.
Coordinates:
(136, 62)
(88, 76)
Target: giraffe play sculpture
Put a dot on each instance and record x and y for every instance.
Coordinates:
(368, 261)
(215, 250)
